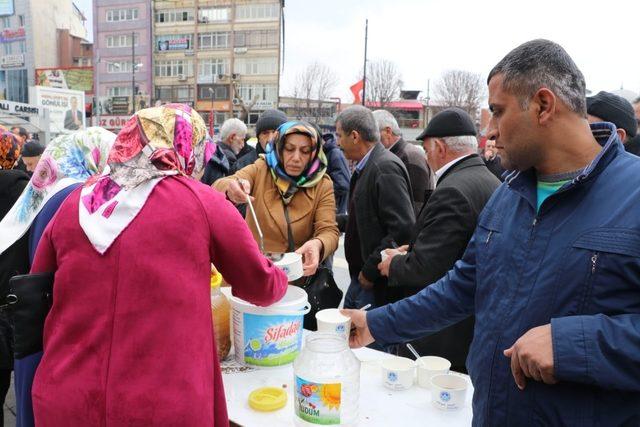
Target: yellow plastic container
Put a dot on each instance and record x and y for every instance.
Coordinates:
(220, 312)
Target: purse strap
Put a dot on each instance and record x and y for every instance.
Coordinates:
(289, 231)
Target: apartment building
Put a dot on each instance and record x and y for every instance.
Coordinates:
(220, 56)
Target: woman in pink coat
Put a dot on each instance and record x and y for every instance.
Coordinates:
(129, 339)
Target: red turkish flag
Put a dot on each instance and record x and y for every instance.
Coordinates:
(357, 89)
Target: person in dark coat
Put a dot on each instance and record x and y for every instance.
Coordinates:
(217, 166)
(266, 127)
(338, 170)
(232, 145)
(13, 262)
(492, 160)
(420, 174)
(607, 107)
(444, 226)
(380, 208)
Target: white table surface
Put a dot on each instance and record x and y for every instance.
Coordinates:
(379, 406)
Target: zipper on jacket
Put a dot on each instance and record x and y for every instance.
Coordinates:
(594, 262)
(488, 237)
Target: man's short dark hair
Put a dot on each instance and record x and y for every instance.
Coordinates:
(22, 131)
(542, 63)
(361, 120)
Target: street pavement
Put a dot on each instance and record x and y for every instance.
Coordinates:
(340, 274)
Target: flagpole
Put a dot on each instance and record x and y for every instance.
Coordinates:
(364, 80)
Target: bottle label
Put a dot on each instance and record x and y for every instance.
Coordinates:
(318, 403)
(271, 340)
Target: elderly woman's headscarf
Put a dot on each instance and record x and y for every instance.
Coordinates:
(10, 149)
(68, 159)
(155, 143)
(316, 168)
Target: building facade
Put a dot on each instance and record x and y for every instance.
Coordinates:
(122, 48)
(30, 40)
(220, 56)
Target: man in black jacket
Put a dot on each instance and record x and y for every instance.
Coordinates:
(445, 225)
(380, 208)
(607, 107)
(412, 157)
(492, 160)
(266, 127)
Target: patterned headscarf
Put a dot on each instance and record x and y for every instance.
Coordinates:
(316, 168)
(68, 159)
(10, 149)
(155, 143)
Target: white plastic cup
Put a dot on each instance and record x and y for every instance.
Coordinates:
(398, 373)
(430, 366)
(291, 264)
(448, 392)
(331, 321)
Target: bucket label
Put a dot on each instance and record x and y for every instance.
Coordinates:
(318, 403)
(271, 340)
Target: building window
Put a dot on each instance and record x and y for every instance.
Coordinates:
(216, 40)
(174, 15)
(220, 92)
(214, 14)
(119, 67)
(250, 66)
(22, 46)
(256, 39)
(119, 91)
(169, 42)
(174, 67)
(263, 92)
(116, 15)
(7, 48)
(17, 85)
(174, 93)
(20, 20)
(258, 12)
(6, 22)
(122, 40)
(212, 67)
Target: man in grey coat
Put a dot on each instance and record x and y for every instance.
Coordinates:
(420, 175)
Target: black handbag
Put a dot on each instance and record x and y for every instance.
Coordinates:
(28, 302)
(322, 292)
(321, 288)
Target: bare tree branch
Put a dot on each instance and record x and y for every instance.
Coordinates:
(314, 83)
(459, 88)
(384, 82)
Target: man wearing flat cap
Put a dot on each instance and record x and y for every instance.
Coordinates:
(607, 107)
(444, 225)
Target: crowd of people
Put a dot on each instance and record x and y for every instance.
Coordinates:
(518, 262)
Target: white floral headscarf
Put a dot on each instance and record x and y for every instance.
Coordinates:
(68, 159)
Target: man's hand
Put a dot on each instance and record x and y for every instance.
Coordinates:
(384, 266)
(238, 190)
(532, 357)
(360, 334)
(365, 283)
(310, 252)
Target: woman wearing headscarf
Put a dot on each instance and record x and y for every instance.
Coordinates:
(68, 161)
(12, 182)
(129, 338)
(290, 179)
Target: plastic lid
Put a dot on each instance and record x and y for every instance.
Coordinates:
(216, 279)
(267, 399)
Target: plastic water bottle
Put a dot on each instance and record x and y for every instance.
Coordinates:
(327, 382)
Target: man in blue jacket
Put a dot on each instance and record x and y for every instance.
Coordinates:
(552, 272)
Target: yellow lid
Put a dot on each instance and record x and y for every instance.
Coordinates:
(216, 278)
(268, 399)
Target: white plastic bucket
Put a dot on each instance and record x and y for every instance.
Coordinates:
(269, 336)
